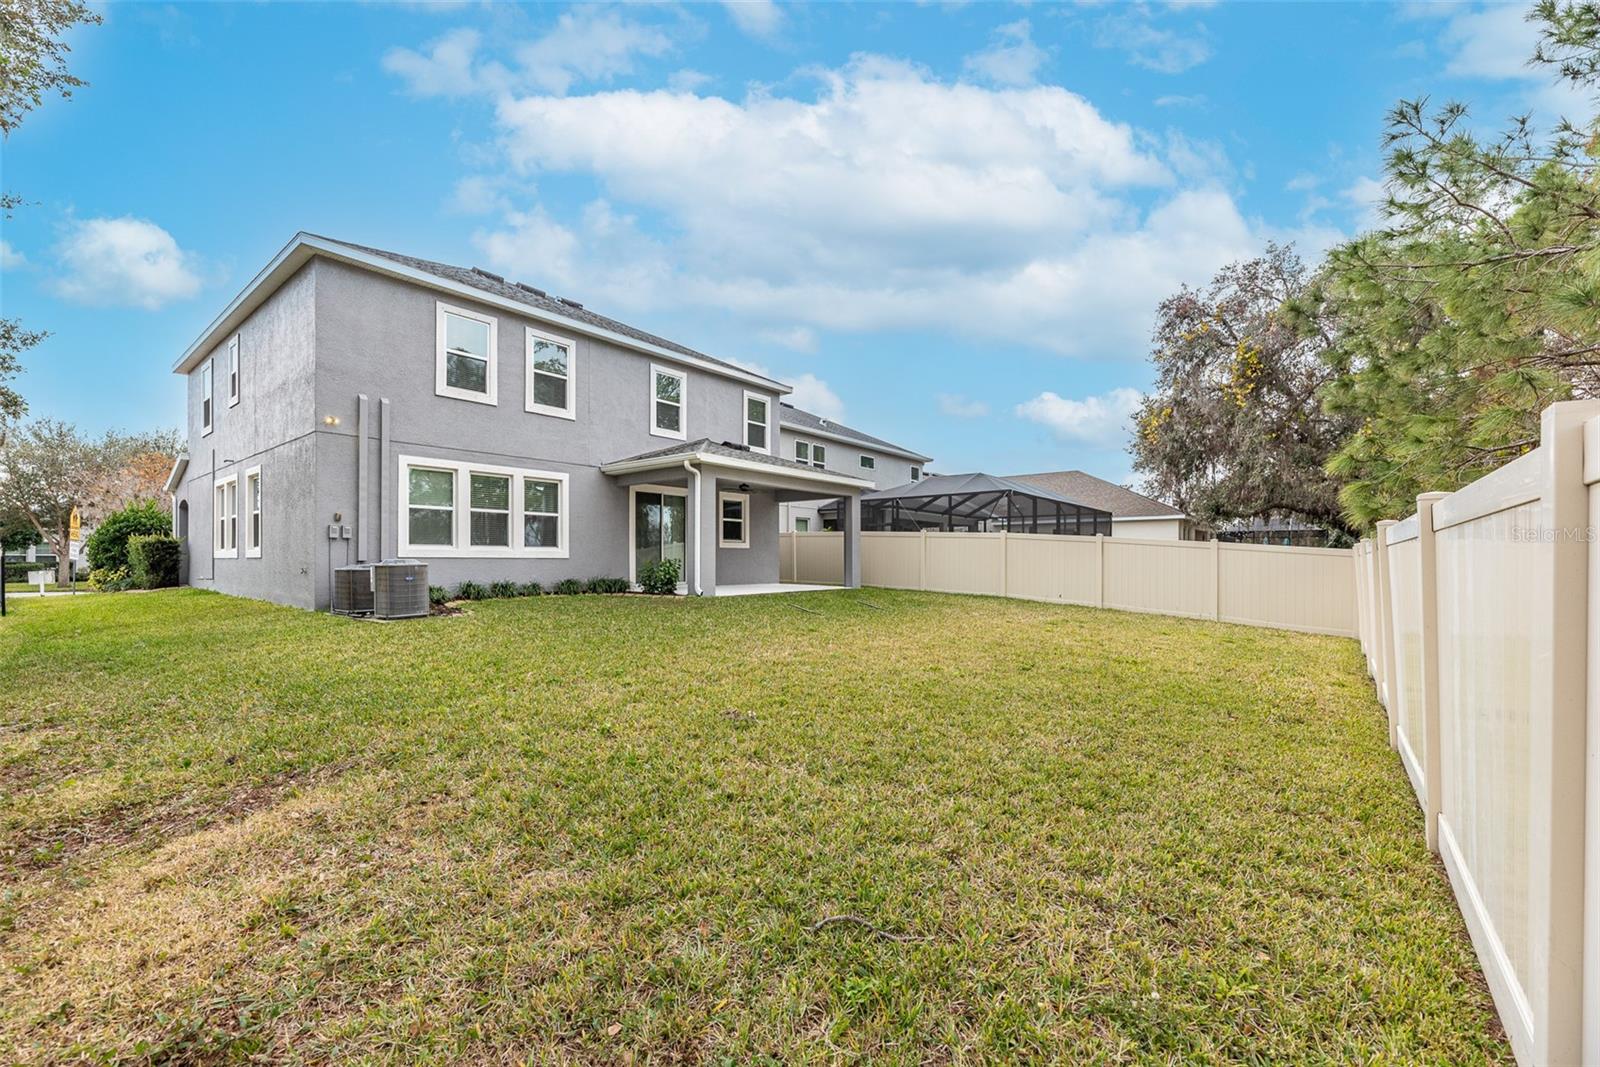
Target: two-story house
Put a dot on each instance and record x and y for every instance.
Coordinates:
(826, 445)
(353, 404)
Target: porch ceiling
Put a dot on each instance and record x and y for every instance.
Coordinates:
(734, 461)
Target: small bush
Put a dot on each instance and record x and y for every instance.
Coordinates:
(660, 577)
(438, 594)
(502, 590)
(153, 560)
(107, 547)
(568, 587)
(470, 591)
(530, 589)
(607, 585)
(110, 579)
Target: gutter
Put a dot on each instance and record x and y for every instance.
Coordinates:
(694, 473)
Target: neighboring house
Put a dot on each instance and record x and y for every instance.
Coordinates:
(827, 445)
(1274, 530)
(354, 404)
(1132, 514)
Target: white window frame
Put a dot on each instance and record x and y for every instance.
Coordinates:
(461, 546)
(492, 374)
(916, 474)
(511, 484)
(869, 463)
(252, 514)
(208, 400)
(233, 370)
(225, 518)
(802, 525)
(681, 433)
(744, 519)
(571, 410)
(766, 403)
(812, 448)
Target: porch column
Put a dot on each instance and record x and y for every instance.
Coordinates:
(702, 521)
(850, 526)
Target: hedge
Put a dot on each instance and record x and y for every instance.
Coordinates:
(153, 560)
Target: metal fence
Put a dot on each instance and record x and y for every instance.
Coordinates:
(1477, 619)
(1310, 589)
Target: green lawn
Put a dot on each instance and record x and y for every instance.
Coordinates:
(606, 828)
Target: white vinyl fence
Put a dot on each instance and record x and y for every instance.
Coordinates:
(1310, 589)
(1478, 621)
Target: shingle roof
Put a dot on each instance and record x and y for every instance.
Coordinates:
(795, 418)
(1099, 493)
(705, 445)
(497, 285)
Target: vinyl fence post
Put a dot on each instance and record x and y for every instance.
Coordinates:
(922, 559)
(1386, 685)
(1005, 563)
(1099, 570)
(1216, 578)
(1428, 574)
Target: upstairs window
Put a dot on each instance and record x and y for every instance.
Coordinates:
(916, 474)
(205, 397)
(812, 455)
(756, 422)
(868, 463)
(252, 513)
(464, 355)
(668, 394)
(550, 375)
(735, 520)
(233, 371)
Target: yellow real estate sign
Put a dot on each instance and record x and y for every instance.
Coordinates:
(74, 527)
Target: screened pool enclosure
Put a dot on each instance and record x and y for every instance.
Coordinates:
(975, 503)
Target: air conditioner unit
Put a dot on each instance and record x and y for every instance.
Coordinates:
(352, 590)
(399, 589)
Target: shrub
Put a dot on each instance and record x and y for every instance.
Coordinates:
(502, 590)
(470, 591)
(530, 589)
(568, 587)
(607, 585)
(153, 560)
(107, 547)
(438, 594)
(660, 577)
(110, 579)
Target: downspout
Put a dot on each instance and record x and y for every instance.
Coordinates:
(698, 522)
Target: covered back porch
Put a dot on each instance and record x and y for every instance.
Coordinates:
(713, 507)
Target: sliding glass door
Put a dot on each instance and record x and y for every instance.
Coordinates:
(659, 521)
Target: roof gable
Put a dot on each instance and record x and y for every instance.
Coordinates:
(1123, 503)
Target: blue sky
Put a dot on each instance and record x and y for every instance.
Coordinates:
(948, 225)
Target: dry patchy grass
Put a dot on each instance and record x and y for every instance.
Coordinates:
(596, 829)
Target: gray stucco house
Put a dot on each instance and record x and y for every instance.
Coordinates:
(353, 404)
(827, 445)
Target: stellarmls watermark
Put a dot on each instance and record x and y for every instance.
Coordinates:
(1549, 535)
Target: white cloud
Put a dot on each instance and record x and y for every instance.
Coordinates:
(1158, 48)
(586, 44)
(445, 70)
(124, 261)
(1179, 100)
(813, 394)
(959, 407)
(1366, 196)
(687, 81)
(758, 18)
(1011, 58)
(1021, 214)
(1101, 421)
(1492, 42)
(589, 44)
(10, 258)
(798, 338)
